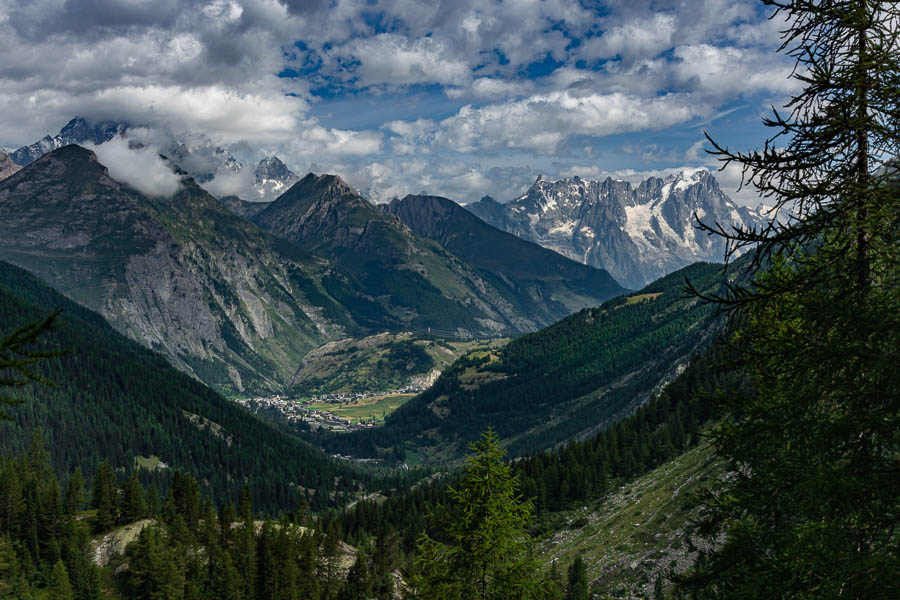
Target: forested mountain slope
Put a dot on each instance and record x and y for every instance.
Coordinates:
(566, 381)
(115, 400)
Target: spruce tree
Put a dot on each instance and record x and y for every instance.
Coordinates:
(133, 506)
(577, 588)
(482, 549)
(60, 588)
(104, 498)
(74, 496)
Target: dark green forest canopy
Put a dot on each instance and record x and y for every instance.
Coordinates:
(115, 401)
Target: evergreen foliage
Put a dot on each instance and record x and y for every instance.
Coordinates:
(812, 509)
(577, 588)
(482, 549)
(17, 357)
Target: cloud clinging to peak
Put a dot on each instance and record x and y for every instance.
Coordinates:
(401, 95)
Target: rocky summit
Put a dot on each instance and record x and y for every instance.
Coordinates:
(7, 166)
(222, 299)
(76, 131)
(637, 234)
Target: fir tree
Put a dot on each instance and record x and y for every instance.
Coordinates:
(60, 588)
(74, 496)
(577, 588)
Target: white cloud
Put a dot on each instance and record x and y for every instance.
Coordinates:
(141, 168)
(644, 37)
(542, 122)
(394, 60)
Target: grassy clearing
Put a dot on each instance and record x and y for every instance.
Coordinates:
(151, 463)
(366, 409)
(637, 531)
(642, 298)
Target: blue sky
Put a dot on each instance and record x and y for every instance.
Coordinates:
(461, 98)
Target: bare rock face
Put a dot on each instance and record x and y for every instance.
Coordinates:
(114, 543)
(220, 298)
(7, 166)
(638, 234)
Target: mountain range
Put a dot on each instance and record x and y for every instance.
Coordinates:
(425, 283)
(200, 158)
(637, 234)
(222, 299)
(239, 307)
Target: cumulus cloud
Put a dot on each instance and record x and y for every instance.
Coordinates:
(509, 87)
(141, 168)
(542, 122)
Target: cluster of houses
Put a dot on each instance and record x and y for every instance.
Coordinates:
(299, 410)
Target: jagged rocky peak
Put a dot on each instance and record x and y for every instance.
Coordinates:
(326, 186)
(271, 178)
(637, 233)
(7, 166)
(272, 168)
(76, 131)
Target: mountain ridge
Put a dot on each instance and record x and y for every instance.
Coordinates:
(637, 233)
(220, 297)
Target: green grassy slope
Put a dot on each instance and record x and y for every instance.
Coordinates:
(378, 363)
(629, 538)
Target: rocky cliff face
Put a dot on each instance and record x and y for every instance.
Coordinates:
(636, 233)
(222, 299)
(7, 166)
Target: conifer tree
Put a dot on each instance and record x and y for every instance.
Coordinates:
(18, 355)
(577, 588)
(60, 588)
(74, 496)
(813, 506)
(133, 506)
(104, 498)
(482, 549)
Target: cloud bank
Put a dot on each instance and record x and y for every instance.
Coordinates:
(141, 168)
(459, 97)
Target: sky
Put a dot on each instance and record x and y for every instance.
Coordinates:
(461, 98)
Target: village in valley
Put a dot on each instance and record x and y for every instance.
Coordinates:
(339, 411)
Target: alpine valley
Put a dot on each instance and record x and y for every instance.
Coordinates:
(238, 307)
